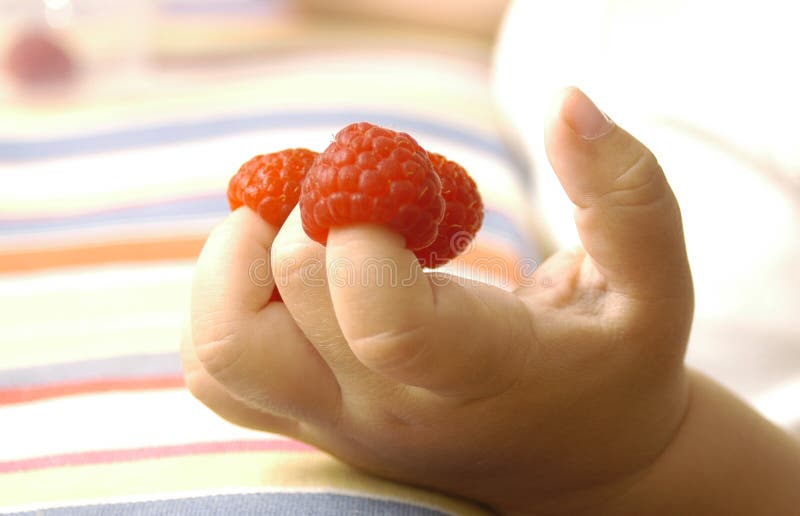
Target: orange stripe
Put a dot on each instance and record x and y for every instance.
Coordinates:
(133, 251)
(26, 394)
(495, 264)
(186, 248)
(477, 255)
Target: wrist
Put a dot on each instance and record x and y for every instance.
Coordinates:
(725, 459)
(604, 487)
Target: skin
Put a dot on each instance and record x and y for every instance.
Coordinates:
(568, 396)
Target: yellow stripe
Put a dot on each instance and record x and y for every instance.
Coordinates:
(80, 314)
(209, 472)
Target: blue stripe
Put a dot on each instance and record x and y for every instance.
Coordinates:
(499, 224)
(180, 209)
(269, 504)
(120, 367)
(180, 132)
(210, 206)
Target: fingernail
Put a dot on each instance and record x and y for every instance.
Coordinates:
(583, 116)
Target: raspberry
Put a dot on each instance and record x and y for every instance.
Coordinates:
(463, 214)
(370, 174)
(269, 184)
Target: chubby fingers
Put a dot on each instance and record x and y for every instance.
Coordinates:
(214, 395)
(627, 216)
(301, 277)
(454, 338)
(249, 345)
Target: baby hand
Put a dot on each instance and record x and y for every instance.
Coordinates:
(551, 398)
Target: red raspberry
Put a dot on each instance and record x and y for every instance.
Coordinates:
(269, 184)
(374, 175)
(463, 214)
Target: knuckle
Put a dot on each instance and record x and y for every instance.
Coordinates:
(392, 349)
(641, 183)
(219, 346)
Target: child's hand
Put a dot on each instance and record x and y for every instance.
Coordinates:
(554, 398)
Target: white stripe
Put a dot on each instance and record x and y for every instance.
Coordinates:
(110, 233)
(93, 280)
(111, 421)
(113, 179)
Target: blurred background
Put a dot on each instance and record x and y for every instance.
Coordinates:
(121, 123)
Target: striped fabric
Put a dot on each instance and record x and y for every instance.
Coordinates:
(104, 206)
(274, 504)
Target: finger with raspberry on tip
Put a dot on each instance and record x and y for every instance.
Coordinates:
(374, 198)
(245, 342)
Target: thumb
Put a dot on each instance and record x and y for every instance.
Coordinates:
(627, 216)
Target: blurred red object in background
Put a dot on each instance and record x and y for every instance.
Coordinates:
(37, 58)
